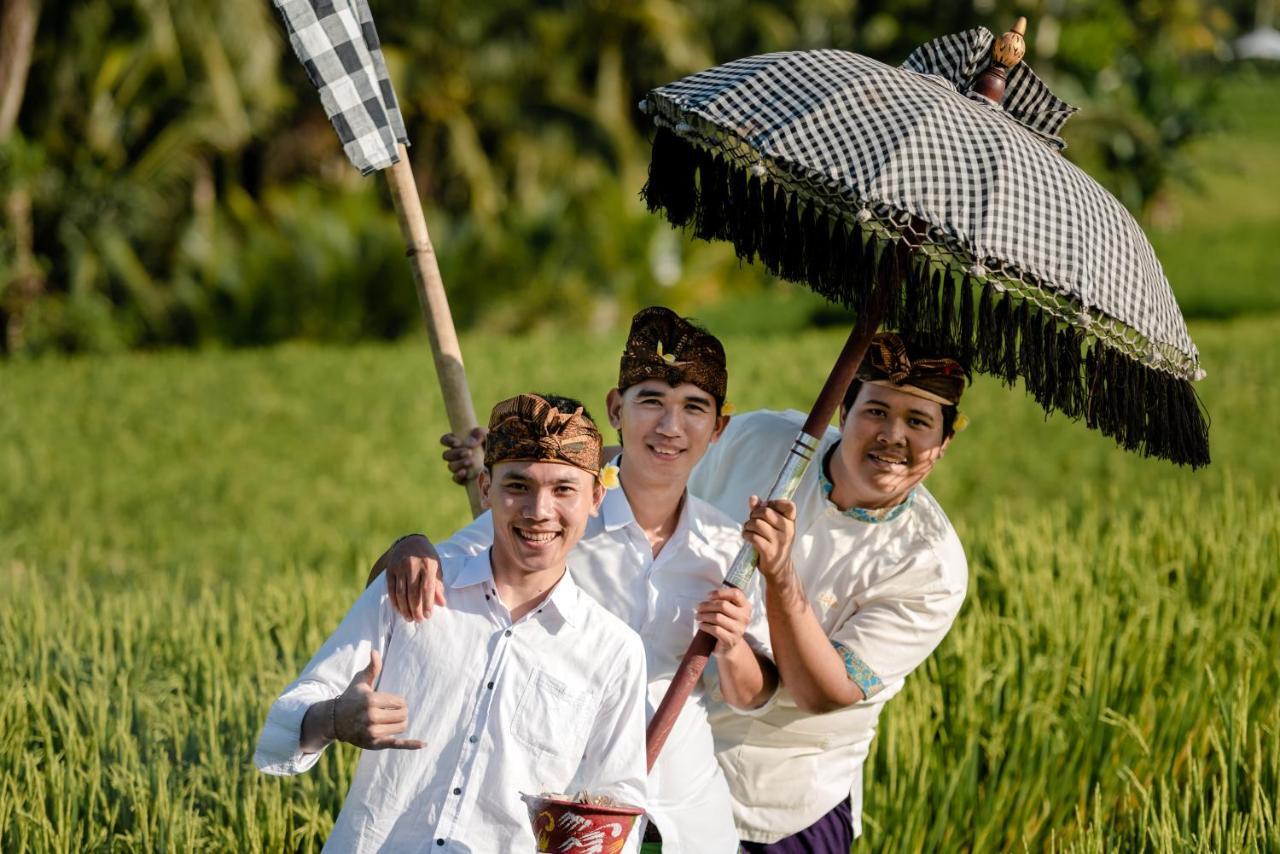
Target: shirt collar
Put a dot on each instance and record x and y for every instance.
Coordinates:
(477, 569)
(616, 512)
(862, 514)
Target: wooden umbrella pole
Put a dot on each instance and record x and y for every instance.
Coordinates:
(435, 306)
(802, 450)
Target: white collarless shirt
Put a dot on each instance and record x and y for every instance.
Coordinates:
(885, 593)
(551, 703)
(688, 798)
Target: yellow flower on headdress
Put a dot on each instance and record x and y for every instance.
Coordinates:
(961, 422)
(669, 358)
(609, 476)
(728, 408)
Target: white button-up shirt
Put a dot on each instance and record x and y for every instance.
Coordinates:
(688, 798)
(885, 593)
(551, 703)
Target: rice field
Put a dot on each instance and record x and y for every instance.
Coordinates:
(179, 531)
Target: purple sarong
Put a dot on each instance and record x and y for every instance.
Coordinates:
(831, 834)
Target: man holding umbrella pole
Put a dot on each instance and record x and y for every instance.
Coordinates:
(875, 578)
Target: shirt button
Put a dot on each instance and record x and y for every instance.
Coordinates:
(457, 791)
(507, 632)
(473, 739)
(439, 842)
(490, 686)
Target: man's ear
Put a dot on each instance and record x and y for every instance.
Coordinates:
(844, 413)
(946, 443)
(483, 483)
(613, 405)
(597, 495)
(722, 421)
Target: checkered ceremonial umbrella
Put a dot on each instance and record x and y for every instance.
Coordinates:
(1018, 261)
(338, 46)
(931, 197)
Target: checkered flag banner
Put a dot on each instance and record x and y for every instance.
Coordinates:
(818, 162)
(337, 44)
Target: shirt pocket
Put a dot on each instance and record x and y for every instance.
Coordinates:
(552, 716)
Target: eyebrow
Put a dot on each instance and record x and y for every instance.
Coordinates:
(524, 478)
(919, 413)
(653, 393)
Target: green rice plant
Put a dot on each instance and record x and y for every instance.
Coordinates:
(178, 532)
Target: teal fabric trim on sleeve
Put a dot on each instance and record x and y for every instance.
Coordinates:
(858, 671)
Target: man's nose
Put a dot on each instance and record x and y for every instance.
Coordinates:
(669, 423)
(539, 504)
(893, 432)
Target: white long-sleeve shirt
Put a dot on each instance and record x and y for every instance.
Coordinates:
(885, 588)
(688, 798)
(551, 703)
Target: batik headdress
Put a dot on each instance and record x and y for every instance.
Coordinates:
(665, 346)
(528, 428)
(889, 363)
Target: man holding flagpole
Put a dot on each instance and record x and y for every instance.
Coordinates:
(656, 557)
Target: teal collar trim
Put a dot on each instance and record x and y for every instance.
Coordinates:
(873, 517)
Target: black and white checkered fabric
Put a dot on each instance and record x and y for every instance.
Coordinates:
(338, 45)
(853, 133)
(961, 57)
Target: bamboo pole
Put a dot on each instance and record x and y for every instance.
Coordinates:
(435, 306)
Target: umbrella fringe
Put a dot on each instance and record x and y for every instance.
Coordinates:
(851, 262)
(671, 187)
(949, 327)
(966, 331)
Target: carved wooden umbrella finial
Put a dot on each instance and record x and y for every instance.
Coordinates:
(1007, 52)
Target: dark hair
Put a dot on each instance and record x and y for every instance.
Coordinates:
(949, 410)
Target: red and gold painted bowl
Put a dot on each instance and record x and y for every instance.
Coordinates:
(561, 825)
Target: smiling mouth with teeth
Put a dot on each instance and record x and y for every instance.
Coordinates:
(537, 536)
(893, 461)
(666, 454)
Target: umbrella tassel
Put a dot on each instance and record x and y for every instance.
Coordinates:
(1135, 420)
(1091, 388)
(1028, 324)
(986, 355)
(709, 222)
(793, 250)
(1155, 402)
(671, 187)
(749, 212)
(842, 273)
(966, 322)
(1070, 390)
(1048, 362)
(947, 326)
(1006, 341)
(818, 257)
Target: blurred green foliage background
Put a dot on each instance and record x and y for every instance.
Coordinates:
(169, 177)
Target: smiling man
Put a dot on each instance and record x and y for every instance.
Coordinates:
(523, 685)
(655, 557)
(875, 579)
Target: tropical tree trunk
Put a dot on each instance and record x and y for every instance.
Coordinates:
(25, 281)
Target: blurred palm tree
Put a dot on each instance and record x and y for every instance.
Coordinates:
(184, 185)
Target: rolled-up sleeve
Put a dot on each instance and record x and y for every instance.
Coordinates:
(367, 626)
(899, 623)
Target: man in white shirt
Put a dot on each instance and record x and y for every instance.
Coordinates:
(876, 577)
(524, 684)
(652, 556)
